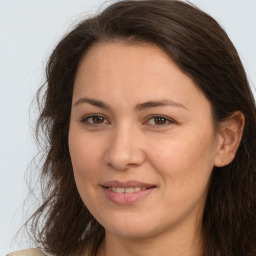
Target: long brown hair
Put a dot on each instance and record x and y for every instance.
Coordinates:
(203, 51)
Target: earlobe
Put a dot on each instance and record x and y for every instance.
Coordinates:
(229, 137)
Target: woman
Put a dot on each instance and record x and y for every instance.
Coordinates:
(150, 123)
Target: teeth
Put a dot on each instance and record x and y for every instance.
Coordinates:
(127, 190)
(137, 189)
(120, 190)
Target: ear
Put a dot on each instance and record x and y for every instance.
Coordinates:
(229, 137)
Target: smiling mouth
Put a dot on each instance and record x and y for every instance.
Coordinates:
(128, 190)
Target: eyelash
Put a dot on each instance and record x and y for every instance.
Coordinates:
(167, 121)
(87, 118)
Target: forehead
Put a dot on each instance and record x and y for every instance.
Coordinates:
(138, 72)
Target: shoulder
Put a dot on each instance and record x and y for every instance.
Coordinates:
(28, 252)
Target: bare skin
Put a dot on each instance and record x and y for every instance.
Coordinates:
(143, 146)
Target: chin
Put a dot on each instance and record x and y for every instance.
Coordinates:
(132, 228)
(131, 233)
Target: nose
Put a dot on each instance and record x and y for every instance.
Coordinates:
(124, 150)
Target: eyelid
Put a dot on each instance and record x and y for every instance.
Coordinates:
(168, 119)
(85, 119)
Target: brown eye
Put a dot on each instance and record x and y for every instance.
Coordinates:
(159, 121)
(95, 120)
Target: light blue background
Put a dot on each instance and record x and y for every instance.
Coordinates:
(29, 30)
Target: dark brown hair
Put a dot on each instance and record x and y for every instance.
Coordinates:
(203, 51)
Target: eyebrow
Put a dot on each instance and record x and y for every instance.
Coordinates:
(94, 102)
(159, 103)
(139, 107)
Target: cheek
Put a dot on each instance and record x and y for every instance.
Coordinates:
(85, 157)
(184, 162)
(83, 152)
(85, 161)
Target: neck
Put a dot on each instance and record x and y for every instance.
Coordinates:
(164, 245)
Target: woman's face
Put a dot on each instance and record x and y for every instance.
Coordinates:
(141, 140)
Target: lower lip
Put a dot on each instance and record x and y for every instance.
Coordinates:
(126, 198)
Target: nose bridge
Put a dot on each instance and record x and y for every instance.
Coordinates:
(124, 149)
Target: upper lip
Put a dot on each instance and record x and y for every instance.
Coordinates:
(126, 184)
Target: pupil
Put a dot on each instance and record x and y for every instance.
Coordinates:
(160, 120)
(97, 119)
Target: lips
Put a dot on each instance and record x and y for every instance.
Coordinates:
(127, 187)
(126, 192)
